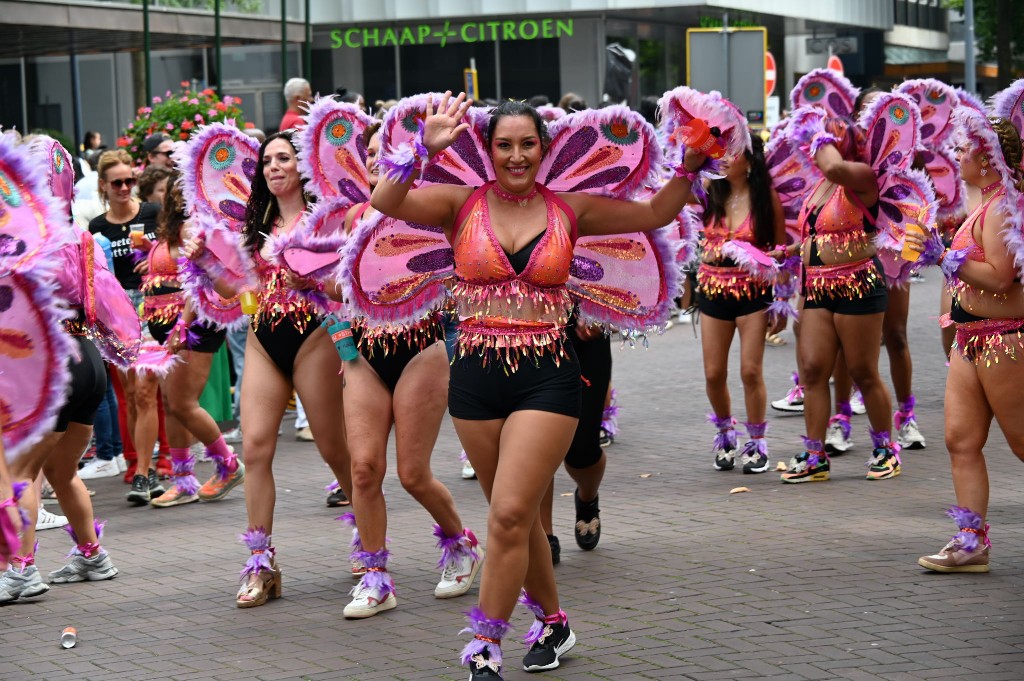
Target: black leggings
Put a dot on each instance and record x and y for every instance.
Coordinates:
(595, 357)
(87, 389)
(481, 393)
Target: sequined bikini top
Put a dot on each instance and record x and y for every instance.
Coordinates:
(163, 269)
(841, 220)
(964, 236)
(480, 259)
(716, 234)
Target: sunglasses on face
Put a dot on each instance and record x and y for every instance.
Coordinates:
(158, 153)
(128, 182)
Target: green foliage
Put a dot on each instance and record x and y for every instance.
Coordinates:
(986, 21)
(178, 115)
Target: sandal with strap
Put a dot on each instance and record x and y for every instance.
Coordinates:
(260, 587)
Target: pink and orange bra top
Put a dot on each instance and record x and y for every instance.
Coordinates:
(842, 220)
(480, 259)
(716, 233)
(163, 269)
(275, 300)
(964, 236)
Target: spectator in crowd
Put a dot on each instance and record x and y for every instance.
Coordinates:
(158, 148)
(296, 91)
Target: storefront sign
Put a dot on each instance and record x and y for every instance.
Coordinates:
(469, 32)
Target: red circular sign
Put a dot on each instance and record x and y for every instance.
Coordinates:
(770, 77)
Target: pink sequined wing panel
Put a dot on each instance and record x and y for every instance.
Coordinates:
(465, 162)
(32, 221)
(34, 352)
(611, 151)
(944, 172)
(893, 125)
(793, 174)
(332, 154)
(626, 280)
(825, 89)
(394, 272)
(218, 165)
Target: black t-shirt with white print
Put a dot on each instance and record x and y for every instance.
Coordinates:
(121, 241)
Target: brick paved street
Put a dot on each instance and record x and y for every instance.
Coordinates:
(804, 582)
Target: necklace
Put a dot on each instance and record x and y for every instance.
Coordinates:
(514, 198)
(992, 188)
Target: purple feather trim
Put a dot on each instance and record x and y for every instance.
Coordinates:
(333, 487)
(842, 85)
(844, 424)
(725, 438)
(880, 439)
(531, 605)
(97, 526)
(481, 625)
(954, 260)
(781, 308)
(966, 519)
(184, 479)
(189, 159)
(757, 445)
(812, 446)
(454, 548)
(745, 261)
(756, 429)
(610, 419)
(681, 105)
(808, 122)
(401, 163)
(844, 409)
(821, 139)
(257, 540)
(311, 235)
(377, 576)
(18, 489)
(356, 544)
(905, 412)
(933, 250)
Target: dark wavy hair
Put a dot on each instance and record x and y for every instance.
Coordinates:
(262, 210)
(172, 212)
(762, 212)
(510, 108)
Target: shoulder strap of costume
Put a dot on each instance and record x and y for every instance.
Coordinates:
(463, 213)
(856, 201)
(558, 201)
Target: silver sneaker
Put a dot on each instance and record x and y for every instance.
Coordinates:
(909, 435)
(835, 441)
(15, 584)
(79, 569)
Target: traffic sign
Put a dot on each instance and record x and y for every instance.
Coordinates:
(835, 64)
(769, 74)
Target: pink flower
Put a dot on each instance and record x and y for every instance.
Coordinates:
(131, 126)
(170, 126)
(228, 99)
(157, 100)
(212, 113)
(185, 83)
(198, 118)
(193, 101)
(167, 94)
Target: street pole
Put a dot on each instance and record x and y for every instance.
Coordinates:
(725, 50)
(145, 50)
(217, 79)
(307, 53)
(970, 81)
(284, 49)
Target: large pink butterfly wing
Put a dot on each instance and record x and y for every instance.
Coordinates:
(944, 172)
(465, 162)
(936, 102)
(793, 175)
(218, 173)
(332, 153)
(610, 151)
(34, 352)
(396, 270)
(826, 90)
(893, 135)
(31, 227)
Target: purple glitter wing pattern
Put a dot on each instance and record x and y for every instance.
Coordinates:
(793, 174)
(825, 89)
(217, 165)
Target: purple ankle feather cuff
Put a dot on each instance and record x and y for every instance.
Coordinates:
(880, 439)
(377, 576)
(491, 630)
(184, 479)
(844, 423)
(971, 526)
(725, 438)
(905, 412)
(454, 548)
(257, 541)
(812, 446)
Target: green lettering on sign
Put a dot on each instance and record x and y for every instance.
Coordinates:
(469, 32)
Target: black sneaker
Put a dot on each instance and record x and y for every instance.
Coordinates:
(556, 549)
(480, 668)
(155, 488)
(139, 494)
(605, 438)
(725, 460)
(337, 498)
(588, 523)
(556, 641)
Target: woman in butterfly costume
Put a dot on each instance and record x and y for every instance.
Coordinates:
(984, 268)
(515, 385)
(100, 321)
(867, 192)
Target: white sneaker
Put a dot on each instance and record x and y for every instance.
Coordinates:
(234, 436)
(835, 441)
(857, 403)
(468, 473)
(685, 317)
(909, 435)
(793, 402)
(98, 468)
(122, 465)
(366, 602)
(49, 521)
(15, 584)
(458, 575)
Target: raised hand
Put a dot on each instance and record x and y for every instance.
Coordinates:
(443, 127)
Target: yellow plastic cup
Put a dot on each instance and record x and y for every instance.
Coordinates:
(908, 253)
(249, 302)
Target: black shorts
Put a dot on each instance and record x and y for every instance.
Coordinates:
(209, 338)
(729, 309)
(874, 301)
(595, 358)
(389, 362)
(87, 389)
(481, 393)
(282, 342)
